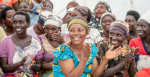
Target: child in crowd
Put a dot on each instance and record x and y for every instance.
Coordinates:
(23, 6)
(47, 3)
(34, 7)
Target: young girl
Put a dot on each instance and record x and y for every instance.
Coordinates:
(23, 6)
(34, 6)
(47, 3)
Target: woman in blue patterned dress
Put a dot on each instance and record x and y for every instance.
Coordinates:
(77, 58)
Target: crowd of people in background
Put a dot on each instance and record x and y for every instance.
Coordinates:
(35, 42)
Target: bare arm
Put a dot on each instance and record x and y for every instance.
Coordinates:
(70, 70)
(15, 6)
(38, 63)
(99, 69)
(46, 66)
(112, 71)
(132, 70)
(8, 67)
(30, 7)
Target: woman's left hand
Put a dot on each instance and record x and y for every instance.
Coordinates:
(57, 37)
(32, 63)
(112, 54)
(135, 50)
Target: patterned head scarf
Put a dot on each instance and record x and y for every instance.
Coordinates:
(120, 26)
(79, 20)
(107, 6)
(43, 14)
(85, 11)
(108, 14)
(53, 20)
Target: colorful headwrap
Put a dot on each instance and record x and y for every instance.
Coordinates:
(120, 26)
(84, 10)
(107, 6)
(145, 72)
(108, 14)
(53, 20)
(73, 3)
(79, 20)
(43, 15)
(146, 16)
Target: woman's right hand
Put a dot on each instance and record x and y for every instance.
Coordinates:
(86, 51)
(23, 61)
(110, 54)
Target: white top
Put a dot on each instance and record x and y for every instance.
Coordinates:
(93, 37)
(143, 62)
(31, 32)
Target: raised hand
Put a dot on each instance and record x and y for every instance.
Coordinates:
(112, 54)
(86, 51)
(23, 61)
(135, 50)
(57, 37)
(130, 56)
(32, 63)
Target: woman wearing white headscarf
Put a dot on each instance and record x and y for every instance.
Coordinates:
(50, 41)
(143, 42)
(64, 28)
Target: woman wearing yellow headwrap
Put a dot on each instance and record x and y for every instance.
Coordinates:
(77, 58)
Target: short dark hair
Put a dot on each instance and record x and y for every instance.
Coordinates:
(134, 13)
(48, 1)
(24, 14)
(3, 13)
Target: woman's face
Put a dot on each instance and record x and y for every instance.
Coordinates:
(51, 29)
(116, 38)
(1, 8)
(143, 28)
(131, 21)
(100, 9)
(46, 4)
(68, 16)
(106, 22)
(23, 7)
(76, 13)
(9, 18)
(77, 34)
(20, 24)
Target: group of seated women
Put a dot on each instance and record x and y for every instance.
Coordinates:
(116, 49)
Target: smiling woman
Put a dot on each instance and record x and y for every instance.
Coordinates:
(6, 16)
(124, 63)
(143, 41)
(101, 8)
(77, 58)
(20, 54)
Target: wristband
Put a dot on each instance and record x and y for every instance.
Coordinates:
(35, 65)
